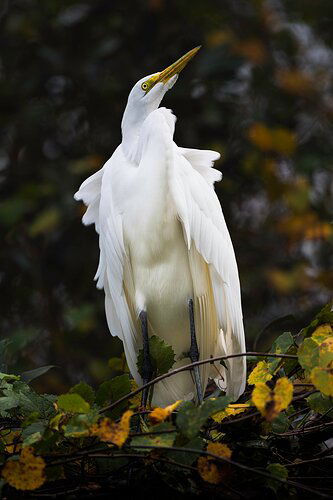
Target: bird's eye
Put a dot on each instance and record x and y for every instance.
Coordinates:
(144, 86)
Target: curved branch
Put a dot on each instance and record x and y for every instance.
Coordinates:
(189, 367)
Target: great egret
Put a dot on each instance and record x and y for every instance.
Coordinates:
(167, 263)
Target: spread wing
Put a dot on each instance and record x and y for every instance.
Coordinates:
(98, 193)
(191, 183)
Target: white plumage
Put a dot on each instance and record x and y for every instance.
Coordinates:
(163, 240)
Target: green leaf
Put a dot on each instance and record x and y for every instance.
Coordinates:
(114, 389)
(155, 439)
(20, 395)
(45, 222)
(196, 443)
(13, 210)
(78, 426)
(30, 375)
(54, 473)
(33, 438)
(7, 403)
(111, 391)
(324, 316)
(282, 343)
(73, 403)
(277, 470)
(280, 346)
(116, 364)
(280, 423)
(191, 418)
(31, 418)
(9, 378)
(321, 404)
(308, 354)
(85, 391)
(161, 354)
(33, 433)
(322, 378)
(81, 318)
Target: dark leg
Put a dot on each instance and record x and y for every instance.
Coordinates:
(147, 368)
(194, 352)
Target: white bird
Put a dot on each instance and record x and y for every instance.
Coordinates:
(164, 241)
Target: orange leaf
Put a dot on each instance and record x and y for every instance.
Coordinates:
(111, 432)
(160, 414)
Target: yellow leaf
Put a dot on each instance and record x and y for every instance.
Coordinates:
(260, 136)
(306, 225)
(252, 49)
(45, 222)
(271, 402)
(57, 421)
(260, 373)
(219, 37)
(160, 414)
(284, 141)
(27, 473)
(322, 332)
(326, 353)
(294, 81)
(229, 411)
(281, 140)
(220, 449)
(209, 471)
(261, 396)
(11, 441)
(322, 378)
(286, 282)
(111, 432)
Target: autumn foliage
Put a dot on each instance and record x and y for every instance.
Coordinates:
(106, 431)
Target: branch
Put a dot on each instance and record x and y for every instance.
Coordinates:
(308, 430)
(189, 367)
(236, 464)
(301, 462)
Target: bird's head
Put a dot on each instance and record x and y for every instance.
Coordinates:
(147, 93)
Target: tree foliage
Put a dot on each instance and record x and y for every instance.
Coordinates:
(50, 443)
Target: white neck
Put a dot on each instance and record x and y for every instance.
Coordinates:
(130, 126)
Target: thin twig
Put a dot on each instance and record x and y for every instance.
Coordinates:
(166, 431)
(302, 462)
(143, 457)
(307, 430)
(236, 464)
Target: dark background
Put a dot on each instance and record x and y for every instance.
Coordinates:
(259, 91)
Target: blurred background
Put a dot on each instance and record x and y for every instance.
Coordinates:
(259, 92)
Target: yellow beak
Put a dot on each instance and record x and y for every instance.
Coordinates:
(171, 70)
(177, 66)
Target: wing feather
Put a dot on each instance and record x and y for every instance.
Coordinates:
(205, 227)
(113, 273)
(202, 160)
